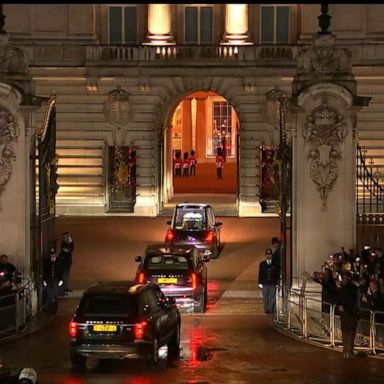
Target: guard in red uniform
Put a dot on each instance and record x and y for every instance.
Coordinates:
(192, 164)
(219, 163)
(185, 165)
(177, 165)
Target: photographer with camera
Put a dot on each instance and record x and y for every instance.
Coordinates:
(328, 287)
(349, 307)
(10, 279)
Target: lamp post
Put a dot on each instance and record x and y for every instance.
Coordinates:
(284, 157)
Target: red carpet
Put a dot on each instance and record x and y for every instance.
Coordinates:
(206, 180)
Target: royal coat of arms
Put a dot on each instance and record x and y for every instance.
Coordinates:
(324, 132)
(118, 109)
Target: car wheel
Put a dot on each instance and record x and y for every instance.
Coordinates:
(78, 361)
(205, 299)
(174, 343)
(200, 306)
(215, 252)
(154, 353)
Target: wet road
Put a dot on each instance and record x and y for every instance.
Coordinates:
(232, 343)
(214, 349)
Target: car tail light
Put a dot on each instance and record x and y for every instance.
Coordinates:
(139, 329)
(193, 280)
(170, 236)
(141, 278)
(209, 237)
(72, 329)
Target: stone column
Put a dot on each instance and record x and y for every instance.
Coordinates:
(324, 160)
(15, 179)
(159, 25)
(236, 25)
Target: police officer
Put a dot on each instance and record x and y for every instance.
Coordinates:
(268, 279)
(53, 278)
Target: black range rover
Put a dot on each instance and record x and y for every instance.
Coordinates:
(124, 320)
(179, 270)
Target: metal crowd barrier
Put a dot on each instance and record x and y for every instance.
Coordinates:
(312, 319)
(16, 309)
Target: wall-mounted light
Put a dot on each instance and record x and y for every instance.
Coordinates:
(144, 86)
(92, 87)
(249, 87)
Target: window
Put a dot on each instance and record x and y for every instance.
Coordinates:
(189, 219)
(274, 24)
(123, 24)
(198, 25)
(167, 262)
(221, 127)
(108, 305)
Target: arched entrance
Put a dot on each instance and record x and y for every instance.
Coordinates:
(203, 122)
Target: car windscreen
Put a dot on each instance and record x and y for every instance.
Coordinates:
(167, 261)
(190, 219)
(108, 305)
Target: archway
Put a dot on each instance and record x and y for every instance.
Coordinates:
(205, 122)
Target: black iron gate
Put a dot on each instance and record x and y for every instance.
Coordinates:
(45, 189)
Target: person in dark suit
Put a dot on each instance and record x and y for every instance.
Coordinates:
(65, 257)
(268, 279)
(348, 305)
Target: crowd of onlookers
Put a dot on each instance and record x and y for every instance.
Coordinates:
(10, 280)
(366, 270)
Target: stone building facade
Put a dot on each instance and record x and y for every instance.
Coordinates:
(147, 57)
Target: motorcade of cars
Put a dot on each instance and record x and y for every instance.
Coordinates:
(195, 224)
(118, 320)
(179, 270)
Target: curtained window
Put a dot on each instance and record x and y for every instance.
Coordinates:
(274, 24)
(198, 25)
(122, 24)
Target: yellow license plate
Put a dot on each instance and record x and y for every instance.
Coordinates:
(104, 328)
(167, 280)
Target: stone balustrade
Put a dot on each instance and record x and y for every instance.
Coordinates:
(99, 55)
(202, 53)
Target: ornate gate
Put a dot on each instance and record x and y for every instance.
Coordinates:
(122, 178)
(46, 188)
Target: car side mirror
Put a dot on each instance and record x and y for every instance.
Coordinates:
(169, 222)
(206, 259)
(138, 259)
